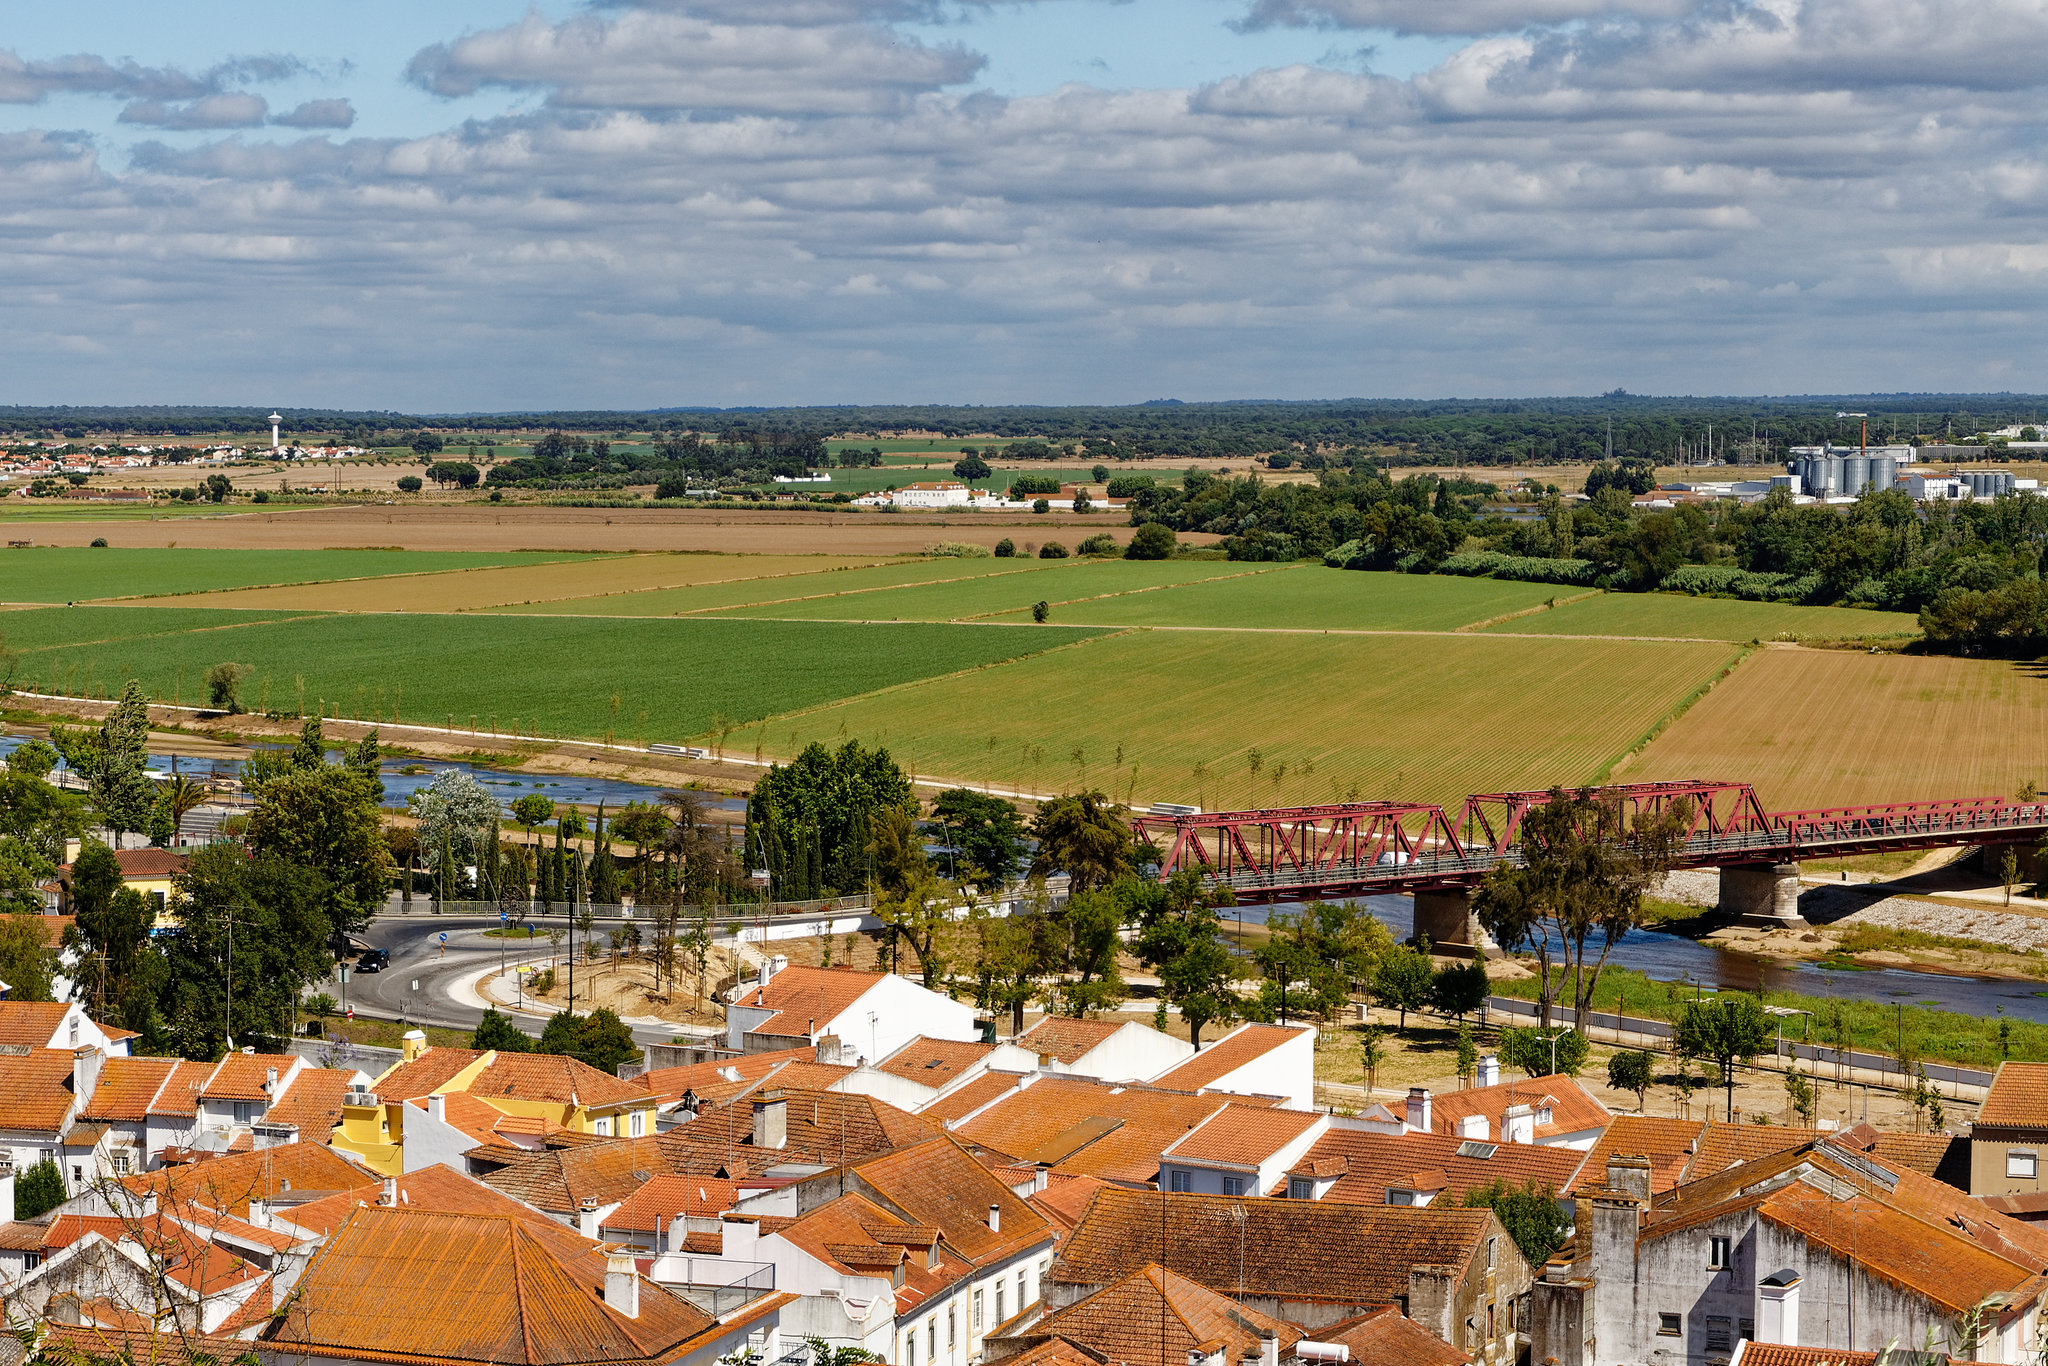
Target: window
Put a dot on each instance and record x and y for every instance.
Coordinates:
(1745, 1329)
(1182, 1182)
(77, 1175)
(910, 1348)
(952, 1326)
(1022, 1298)
(1395, 1197)
(1000, 1315)
(602, 1126)
(639, 1124)
(1720, 1333)
(31, 1261)
(1233, 1185)
(977, 1311)
(931, 1338)
(245, 1111)
(1717, 1254)
(2022, 1162)
(1492, 1256)
(74, 1031)
(1667, 1326)
(1300, 1188)
(120, 1164)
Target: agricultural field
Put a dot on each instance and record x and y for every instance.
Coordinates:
(866, 580)
(81, 574)
(1222, 721)
(474, 589)
(1676, 614)
(1844, 727)
(1309, 598)
(1054, 581)
(638, 680)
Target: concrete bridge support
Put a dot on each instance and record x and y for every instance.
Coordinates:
(1762, 894)
(1446, 917)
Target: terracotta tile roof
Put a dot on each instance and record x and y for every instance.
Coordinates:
(1242, 1135)
(229, 1183)
(1573, 1108)
(1063, 1200)
(939, 1183)
(553, 1078)
(1056, 1352)
(653, 1207)
(312, 1102)
(965, 1099)
(807, 1076)
(1927, 1259)
(1066, 1039)
(86, 1136)
(33, 1023)
(126, 1087)
(934, 1062)
(438, 1188)
(1154, 1317)
(709, 1079)
(1722, 1145)
(1667, 1143)
(561, 1179)
(1238, 1049)
(1752, 1353)
(1090, 1128)
(35, 1089)
(179, 1094)
(16, 1236)
(823, 1127)
(148, 865)
(1287, 1244)
(1386, 1337)
(184, 1253)
(424, 1075)
(807, 999)
(2018, 1098)
(240, 1076)
(77, 1344)
(1371, 1163)
(479, 1289)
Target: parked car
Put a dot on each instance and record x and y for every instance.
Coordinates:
(373, 960)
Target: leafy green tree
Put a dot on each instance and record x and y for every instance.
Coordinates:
(1152, 541)
(224, 686)
(1723, 1030)
(810, 822)
(253, 932)
(409, 483)
(113, 763)
(1800, 1096)
(986, 830)
(458, 472)
(1634, 1070)
(1539, 1052)
(921, 916)
(28, 964)
(325, 818)
(1092, 922)
(1468, 1052)
(1185, 947)
(896, 853)
(1460, 990)
(1006, 549)
(38, 1190)
(599, 1039)
(1083, 835)
(1530, 1214)
(1403, 981)
(970, 469)
(495, 1031)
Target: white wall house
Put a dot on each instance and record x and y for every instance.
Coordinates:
(1239, 1150)
(1252, 1060)
(1107, 1050)
(875, 1013)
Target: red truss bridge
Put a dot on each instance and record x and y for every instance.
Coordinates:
(1361, 848)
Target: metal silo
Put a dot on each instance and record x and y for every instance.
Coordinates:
(1855, 474)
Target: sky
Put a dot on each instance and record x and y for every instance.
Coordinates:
(493, 205)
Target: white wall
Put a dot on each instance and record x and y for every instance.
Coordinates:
(430, 1141)
(903, 1010)
(1288, 1071)
(1133, 1053)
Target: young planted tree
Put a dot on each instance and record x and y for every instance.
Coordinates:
(1723, 1030)
(1634, 1070)
(1196, 969)
(113, 760)
(1403, 981)
(224, 687)
(1800, 1098)
(1372, 1055)
(1468, 1053)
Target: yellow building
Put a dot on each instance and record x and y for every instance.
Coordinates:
(152, 872)
(435, 1104)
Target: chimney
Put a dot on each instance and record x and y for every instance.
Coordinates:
(85, 1074)
(1518, 1124)
(259, 1212)
(1630, 1174)
(1489, 1069)
(412, 1045)
(622, 1285)
(771, 1120)
(1474, 1126)
(390, 1195)
(995, 1218)
(7, 1187)
(1418, 1109)
(1777, 1310)
(270, 1082)
(586, 1220)
(437, 1108)
(767, 971)
(1269, 1349)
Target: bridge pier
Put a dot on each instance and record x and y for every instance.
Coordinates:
(1762, 894)
(1445, 916)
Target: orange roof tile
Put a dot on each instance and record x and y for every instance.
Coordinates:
(807, 999)
(940, 1184)
(1386, 1337)
(559, 1180)
(1154, 1317)
(1926, 1258)
(33, 1023)
(478, 1289)
(554, 1078)
(1066, 1039)
(179, 1094)
(1723, 1145)
(2018, 1098)
(424, 1075)
(438, 1188)
(653, 1207)
(312, 1102)
(709, 1079)
(126, 1087)
(230, 1183)
(1369, 1164)
(1667, 1143)
(241, 1076)
(1242, 1135)
(1064, 1198)
(1088, 1127)
(1239, 1049)
(35, 1089)
(934, 1062)
(970, 1096)
(79, 1344)
(824, 1127)
(1573, 1109)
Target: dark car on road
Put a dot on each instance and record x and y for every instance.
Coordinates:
(373, 960)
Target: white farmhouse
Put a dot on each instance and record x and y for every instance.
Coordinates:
(874, 1012)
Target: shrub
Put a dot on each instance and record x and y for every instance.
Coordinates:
(1279, 462)
(1052, 550)
(410, 484)
(98, 543)
(1006, 549)
(1527, 568)
(1128, 485)
(40, 1190)
(1100, 473)
(1101, 543)
(957, 550)
(1041, 506)
(1041, 611)
(1024, 485)
(260, 496)
(1153, 541)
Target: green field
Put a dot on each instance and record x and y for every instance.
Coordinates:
(1055, 581)
(76, 574)
(1676, 614)
(1305, 598)
(1176, 716)
(638, 679)
(864, 582)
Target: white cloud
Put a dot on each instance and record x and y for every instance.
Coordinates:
(212, 112)
(319, 114)
(1450, 16)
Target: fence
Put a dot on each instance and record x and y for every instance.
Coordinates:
(710, 1283)
(1820, 1054)
(720, 916)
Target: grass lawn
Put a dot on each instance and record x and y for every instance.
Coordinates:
(639, 680)
(1054, 581)
(1677, 614)
(1189, 716)
(57, 574)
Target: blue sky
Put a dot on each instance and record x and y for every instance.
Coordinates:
(485, 204)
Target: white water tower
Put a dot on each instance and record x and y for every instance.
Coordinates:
(274, 420)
